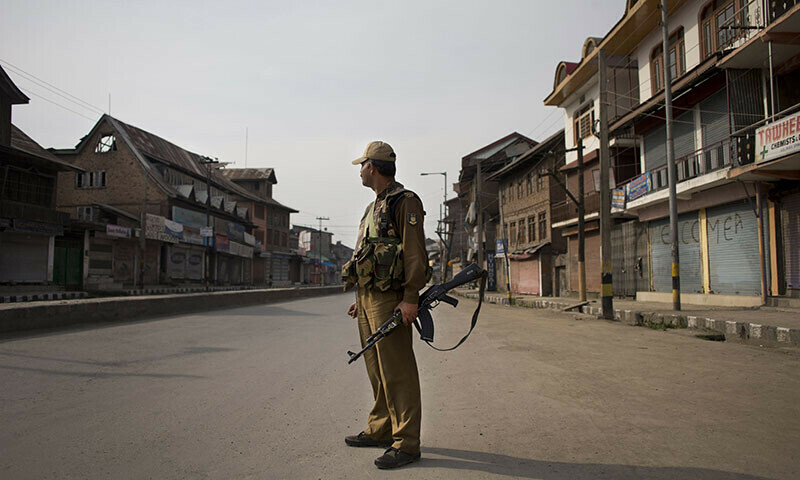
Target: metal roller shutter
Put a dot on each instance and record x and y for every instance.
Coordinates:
(714, 118)
(655, 148)
(791, 240)
(525, 276)
(691, 271)
(684, 134)
(733, 254)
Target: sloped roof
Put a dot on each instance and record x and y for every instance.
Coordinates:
(167, 152)
(250, 174)
(553, 141)
(10, 89)
(496, 146)
(20, 141)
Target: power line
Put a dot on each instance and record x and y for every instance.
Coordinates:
(57, 104)
(52, 88)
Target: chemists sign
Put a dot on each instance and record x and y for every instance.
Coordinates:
(777, 139)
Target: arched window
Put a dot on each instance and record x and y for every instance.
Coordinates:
(561, 74)
(715, 21)
(677, 61)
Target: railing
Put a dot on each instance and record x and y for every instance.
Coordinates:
(777, 9)
(706, 160)
(741, 25)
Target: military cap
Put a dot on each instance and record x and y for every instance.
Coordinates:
(377, 151)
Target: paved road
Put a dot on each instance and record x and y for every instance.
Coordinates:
(265, 392)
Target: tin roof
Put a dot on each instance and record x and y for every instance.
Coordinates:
(251, 174)
(20, 141)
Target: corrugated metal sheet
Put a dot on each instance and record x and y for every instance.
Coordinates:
(593, 266)
(714, 118)
(629, 258)
(655, 149)
(791, 240)
(691, 271)
(733, 249)
(684, 129)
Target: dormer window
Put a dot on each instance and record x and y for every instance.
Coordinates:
(106, 144)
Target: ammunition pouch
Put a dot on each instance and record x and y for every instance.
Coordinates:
(378, 264)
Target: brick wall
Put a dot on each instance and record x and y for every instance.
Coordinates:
(124, 179)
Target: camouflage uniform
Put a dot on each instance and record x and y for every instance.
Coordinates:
(390, 264)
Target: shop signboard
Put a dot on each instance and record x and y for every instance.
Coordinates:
(155, 229)
(192, 235)
(249, 239)
(235, 231)
(500, 249)
(618, 198)
(639, 186)
(222, 243)
(192, 218)
(778, 139)
(206, 231)
(118, 231)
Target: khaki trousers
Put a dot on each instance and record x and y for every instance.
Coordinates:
(392, 371)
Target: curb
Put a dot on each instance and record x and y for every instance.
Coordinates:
(744, 332)
(56, 314)
(43, 296)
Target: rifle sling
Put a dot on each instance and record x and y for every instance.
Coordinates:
(474, 320)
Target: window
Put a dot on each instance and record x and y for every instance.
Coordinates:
(532, 228)
(512, 237)
(677, 61)
(715, 19)
(259, 212)
(542, 226)
(284, 239)
(106, 144)
(584, 119)
(519, 189)
(521, 232)
(90, 179)
(86, 213)
(529, 183)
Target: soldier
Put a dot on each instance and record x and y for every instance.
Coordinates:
(390, 266)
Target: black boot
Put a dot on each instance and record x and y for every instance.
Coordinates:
(364, 440)
(394, 458)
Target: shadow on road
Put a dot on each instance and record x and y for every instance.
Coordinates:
(527, 468)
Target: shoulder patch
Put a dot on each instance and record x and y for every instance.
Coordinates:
(409, 194)
(412, 218)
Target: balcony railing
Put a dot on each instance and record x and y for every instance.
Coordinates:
(706, 160)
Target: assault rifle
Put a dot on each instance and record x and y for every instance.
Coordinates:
(429, 299)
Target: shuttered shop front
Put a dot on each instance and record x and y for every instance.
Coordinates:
(691, 272)
(791, 240)
(733, 253)
(525, 276)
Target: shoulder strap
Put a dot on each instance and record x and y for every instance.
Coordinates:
(472, 326)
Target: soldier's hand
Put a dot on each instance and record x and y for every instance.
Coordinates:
(409, 311)
(353, 310)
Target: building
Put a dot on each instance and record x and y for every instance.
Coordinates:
(195, 231)
(528, 195)
(270, 221)
(724, 88)
(482, 213)
(31, 249)
(316, 246)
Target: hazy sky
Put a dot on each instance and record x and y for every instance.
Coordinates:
(313, 82)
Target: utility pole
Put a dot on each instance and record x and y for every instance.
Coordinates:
(319, 254)
(208, 161)
(479, 212)
(605, 193)
(581, 226)
(505, 250)
(442, 213)
(581, 210)
(671, 170)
